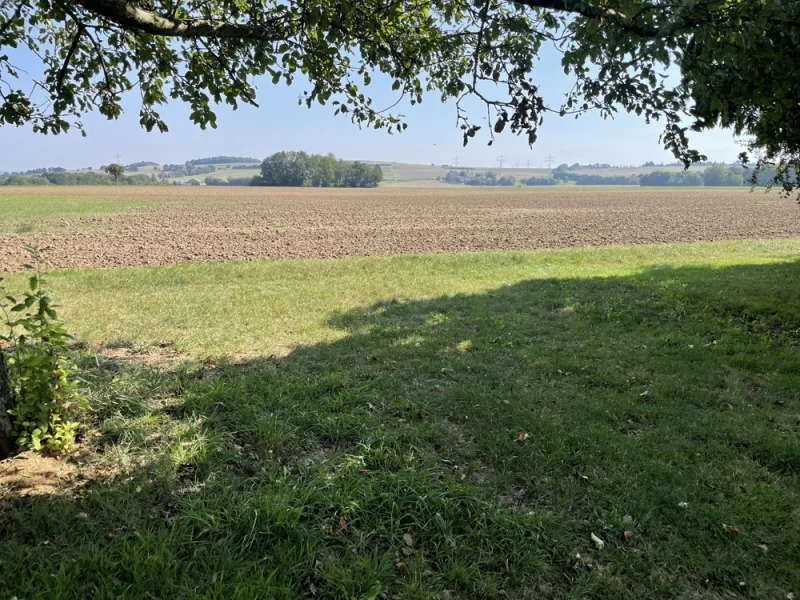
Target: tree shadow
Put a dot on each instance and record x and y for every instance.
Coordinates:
(468, 446)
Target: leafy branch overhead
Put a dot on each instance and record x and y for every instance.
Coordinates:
(730, 63)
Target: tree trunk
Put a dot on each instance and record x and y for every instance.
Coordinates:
(7, 401)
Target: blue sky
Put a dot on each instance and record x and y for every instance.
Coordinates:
(280, 124)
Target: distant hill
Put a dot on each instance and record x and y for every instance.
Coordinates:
(223, 160)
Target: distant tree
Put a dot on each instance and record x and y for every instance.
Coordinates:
(115, 171)
(721, 176)
(323, 170)
(541, 181)
(507, 180)
(657, 178)
(285, 169)
(690, 178)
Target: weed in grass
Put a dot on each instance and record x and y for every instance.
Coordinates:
(661, 414)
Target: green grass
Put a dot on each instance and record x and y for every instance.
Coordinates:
(375, 454)
(50, 208)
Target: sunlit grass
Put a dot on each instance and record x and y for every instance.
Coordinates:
(269, 307)
(48, 208)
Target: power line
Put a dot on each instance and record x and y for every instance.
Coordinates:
(549, 160)
(528, 164)
(455, 162)
(500, 160)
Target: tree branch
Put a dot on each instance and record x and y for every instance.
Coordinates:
(63, 72)
(586, 9)
(130, 16)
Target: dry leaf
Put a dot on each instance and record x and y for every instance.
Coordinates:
(673, 578)
(343, 523)
(81, 515)
(400, 564)
(764, 547)
(521, 436)
(408, 540)
(628, 535)
(407, 551)
(598, 542)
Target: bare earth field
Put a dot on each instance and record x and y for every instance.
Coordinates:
(170, 225)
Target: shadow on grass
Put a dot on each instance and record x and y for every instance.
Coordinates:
(462, 447)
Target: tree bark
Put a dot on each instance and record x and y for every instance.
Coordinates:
(7, 401)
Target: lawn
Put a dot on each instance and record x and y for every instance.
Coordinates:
(604, 423)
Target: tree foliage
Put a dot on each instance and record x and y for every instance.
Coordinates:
(737, 62)
(298, 169)
(115, 171)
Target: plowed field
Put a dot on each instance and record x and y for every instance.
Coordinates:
(169, 225)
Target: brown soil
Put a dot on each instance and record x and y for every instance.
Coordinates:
(209, 223)
(32, 474)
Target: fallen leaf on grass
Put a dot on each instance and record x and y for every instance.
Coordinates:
(343, 523)
(628, 535)
(408, 540)
(521, 436)
(673, 578)
(598, 542)
(764, 547)
(81, 515)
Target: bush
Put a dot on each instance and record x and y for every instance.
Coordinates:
(40, 371)
(541, 181)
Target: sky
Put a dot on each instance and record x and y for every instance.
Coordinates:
(279, 123)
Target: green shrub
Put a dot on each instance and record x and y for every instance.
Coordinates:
(41, 372)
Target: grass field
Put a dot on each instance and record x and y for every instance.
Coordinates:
(17, 210)
(604, 423)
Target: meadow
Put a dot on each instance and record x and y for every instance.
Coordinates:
(516, 421)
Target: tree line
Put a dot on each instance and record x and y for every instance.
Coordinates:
(85, 178)
(717, 175)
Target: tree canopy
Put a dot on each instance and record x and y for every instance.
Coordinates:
(115, 171)
(737, 62)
